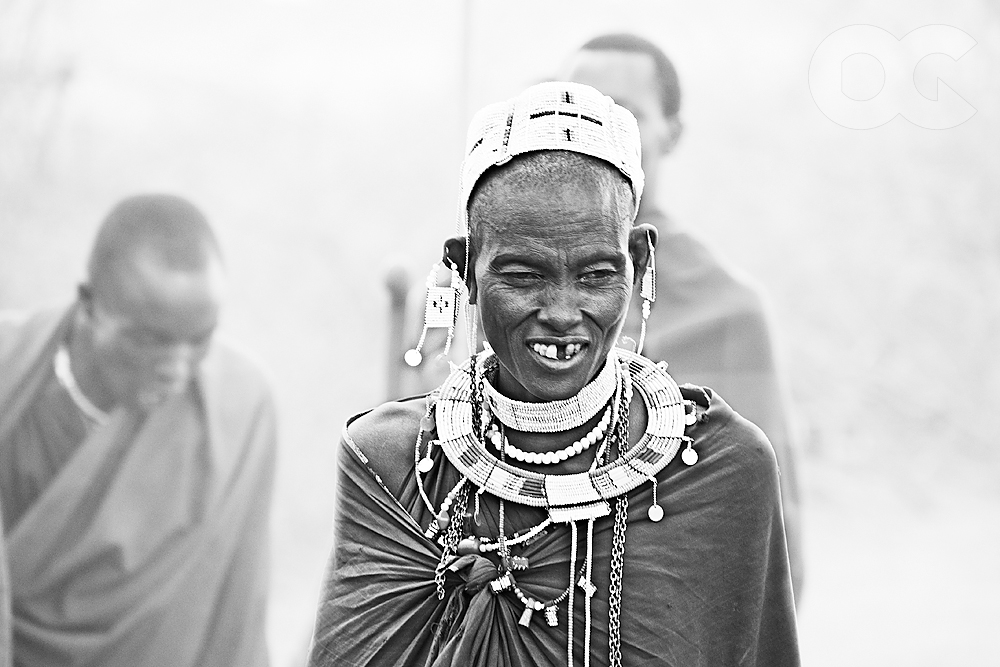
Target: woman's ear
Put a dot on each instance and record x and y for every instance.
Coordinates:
(641, 242)
(455, 253)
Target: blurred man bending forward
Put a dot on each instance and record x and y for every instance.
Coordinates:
(136, 462)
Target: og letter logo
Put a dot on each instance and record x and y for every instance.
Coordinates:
(899, 59)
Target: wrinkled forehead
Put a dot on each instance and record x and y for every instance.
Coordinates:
(550, 232)
(551, 195)
(551, 116)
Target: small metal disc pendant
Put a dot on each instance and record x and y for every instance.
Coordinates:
(689, 456)
(413, 358)
(426, 465)
(655, 513)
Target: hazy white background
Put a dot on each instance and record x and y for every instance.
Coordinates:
(324, 140)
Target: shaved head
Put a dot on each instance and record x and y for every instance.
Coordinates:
(164, 229)
(151, 303)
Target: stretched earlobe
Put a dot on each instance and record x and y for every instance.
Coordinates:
(642, 244)
(642, 241)
(457, 254)
(454, 253)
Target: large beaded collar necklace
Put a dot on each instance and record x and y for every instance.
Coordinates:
(570, 497)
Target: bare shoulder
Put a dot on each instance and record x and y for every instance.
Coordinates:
(386, 437)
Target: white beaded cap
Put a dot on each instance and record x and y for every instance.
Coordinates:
(555, 115)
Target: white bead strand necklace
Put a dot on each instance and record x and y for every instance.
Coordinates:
(552, 457)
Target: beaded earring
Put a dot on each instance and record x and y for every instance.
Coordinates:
(647, 290)
(471, 321)
(440, 311)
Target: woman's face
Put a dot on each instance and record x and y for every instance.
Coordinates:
(553, 280)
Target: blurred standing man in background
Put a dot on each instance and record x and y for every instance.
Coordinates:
(136, 461)
(708, 324)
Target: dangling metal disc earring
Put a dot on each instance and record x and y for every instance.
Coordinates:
(647, 290)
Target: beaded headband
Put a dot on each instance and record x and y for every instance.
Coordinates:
(555, 115)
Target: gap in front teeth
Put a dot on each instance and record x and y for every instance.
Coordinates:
(552, 352)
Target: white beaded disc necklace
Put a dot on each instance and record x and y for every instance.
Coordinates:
(575, 496)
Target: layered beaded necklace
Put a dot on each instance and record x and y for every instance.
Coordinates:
(573, 496)
(463, 409)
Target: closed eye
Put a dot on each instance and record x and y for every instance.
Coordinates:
(521, 277)
(599, 277)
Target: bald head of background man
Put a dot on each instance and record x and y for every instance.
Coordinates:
(150, 305)
(640, 77)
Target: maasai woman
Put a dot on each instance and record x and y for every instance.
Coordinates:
(559, 500)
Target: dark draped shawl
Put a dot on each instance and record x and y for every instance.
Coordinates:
(148, 548)
(711, 324)
(708, 585)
